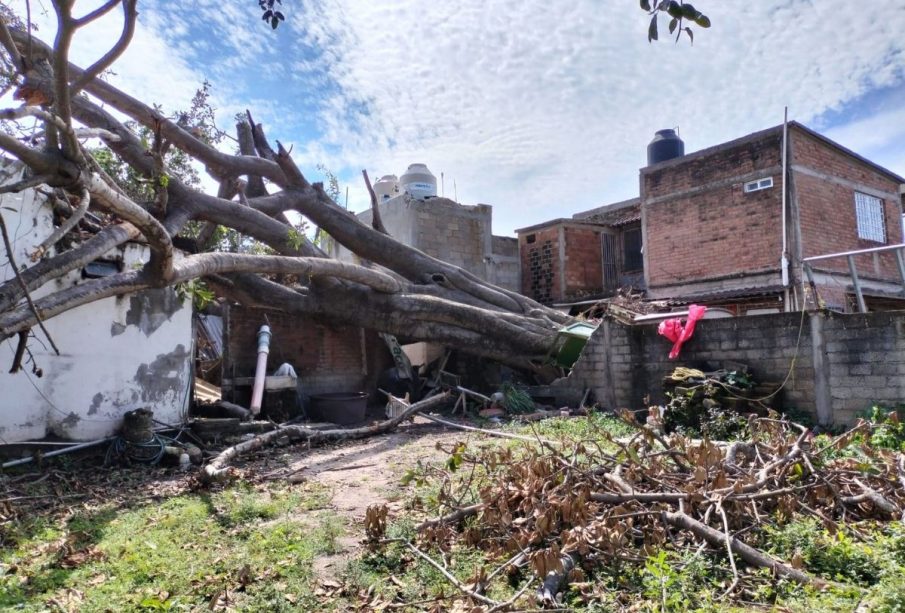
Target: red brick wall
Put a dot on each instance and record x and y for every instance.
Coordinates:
(584, 262)
(722, 230)
(540, 264)
(827, 208)
(326, 359)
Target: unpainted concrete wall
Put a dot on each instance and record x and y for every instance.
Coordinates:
(455, 233)
(838, 365)
(117, 354)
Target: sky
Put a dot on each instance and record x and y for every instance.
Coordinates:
(540, 109)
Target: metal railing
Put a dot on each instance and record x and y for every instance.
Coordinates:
(899, 251)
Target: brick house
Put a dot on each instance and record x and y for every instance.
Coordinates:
(708, 228)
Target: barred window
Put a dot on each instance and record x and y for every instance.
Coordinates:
(871, 221)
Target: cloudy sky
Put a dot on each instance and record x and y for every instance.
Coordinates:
(541, 109)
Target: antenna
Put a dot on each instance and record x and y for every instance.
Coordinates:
(347, 198)
(442, 186)
(455, 191)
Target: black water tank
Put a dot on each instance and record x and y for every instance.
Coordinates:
(665, 146)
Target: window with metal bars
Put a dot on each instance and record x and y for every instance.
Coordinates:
(871, 220)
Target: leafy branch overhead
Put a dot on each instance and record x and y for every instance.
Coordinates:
(271, 15)
(680, 14)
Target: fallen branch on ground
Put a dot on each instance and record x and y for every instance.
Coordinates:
(599, 508)
(218, 469)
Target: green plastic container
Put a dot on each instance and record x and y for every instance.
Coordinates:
(571, 341)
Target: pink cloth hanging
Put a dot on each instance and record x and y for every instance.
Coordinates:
(673, 329)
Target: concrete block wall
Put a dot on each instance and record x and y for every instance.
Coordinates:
(866, 361)
(454, 233)
(843, 363)
(503, 270)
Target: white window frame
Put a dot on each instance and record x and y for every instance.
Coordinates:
(870, 218)
(756, 186)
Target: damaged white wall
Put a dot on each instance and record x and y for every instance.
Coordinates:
(117, 354)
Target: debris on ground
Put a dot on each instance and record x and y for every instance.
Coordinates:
(582, 515)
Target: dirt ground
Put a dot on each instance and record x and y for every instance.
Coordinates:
(361, 474)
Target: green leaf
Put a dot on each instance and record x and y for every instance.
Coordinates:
(645, 4)
(703, 21)
(652, 29)
(672, 25)
(689, 12)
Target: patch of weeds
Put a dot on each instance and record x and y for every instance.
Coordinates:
(837, 557)
(595, 426)
(887, 428)
(329, 529)
(680, 583)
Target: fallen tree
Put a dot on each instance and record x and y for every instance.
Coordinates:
(401, 291)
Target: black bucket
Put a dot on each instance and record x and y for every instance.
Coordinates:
(342, 408)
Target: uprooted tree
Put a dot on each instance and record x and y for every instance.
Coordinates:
(401, 290)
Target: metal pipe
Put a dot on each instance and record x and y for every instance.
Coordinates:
(900, 261)
(784, 256)
(49, 454)
(842, 254)
(862, 306)
(257, 394)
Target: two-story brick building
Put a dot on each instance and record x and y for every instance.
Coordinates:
(733, 226)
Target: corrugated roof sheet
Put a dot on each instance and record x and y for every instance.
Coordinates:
(727, 294)
(211, 326)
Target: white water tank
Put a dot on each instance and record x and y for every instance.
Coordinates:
(419, 182)
(386, 187)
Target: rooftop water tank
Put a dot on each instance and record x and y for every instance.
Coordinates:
(386, 187)
(419, 182)
(665, 146)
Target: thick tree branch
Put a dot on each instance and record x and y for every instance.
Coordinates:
(157, 235)
(57, 266)
(219, 263)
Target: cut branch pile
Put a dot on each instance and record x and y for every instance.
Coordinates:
(569, 514)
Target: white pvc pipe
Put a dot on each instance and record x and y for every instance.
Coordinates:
(257, 393)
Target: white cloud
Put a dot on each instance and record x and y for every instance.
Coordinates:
(544, 110)
(539, 109)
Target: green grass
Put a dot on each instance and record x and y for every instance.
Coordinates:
(592, 427)
(251, 549)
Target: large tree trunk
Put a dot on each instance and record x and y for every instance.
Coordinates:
(404, 292)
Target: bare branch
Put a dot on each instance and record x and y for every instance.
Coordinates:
(96, 13)
(65, 227)
(125, 37)
(376, 221)
(6, 40)
(12, 262)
